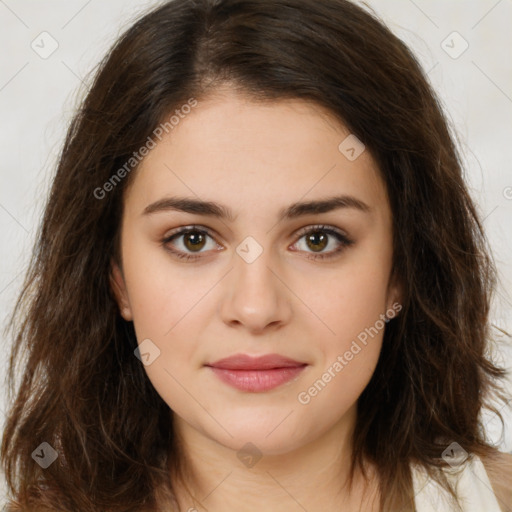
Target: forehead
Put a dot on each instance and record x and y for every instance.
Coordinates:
(233, 150)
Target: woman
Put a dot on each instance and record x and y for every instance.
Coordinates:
(260, 282)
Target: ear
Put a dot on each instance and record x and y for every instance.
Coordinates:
(394, 296)
(118, 287)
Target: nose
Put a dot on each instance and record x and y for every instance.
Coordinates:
(255, 296)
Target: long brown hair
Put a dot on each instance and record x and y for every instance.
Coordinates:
(82, 390)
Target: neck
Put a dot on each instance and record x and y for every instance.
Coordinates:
(314, 476)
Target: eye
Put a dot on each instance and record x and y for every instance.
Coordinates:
(193, 239)
(317, 238)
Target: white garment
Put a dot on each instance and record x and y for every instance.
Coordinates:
(471, 484)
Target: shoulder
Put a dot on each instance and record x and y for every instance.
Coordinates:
(498, 467)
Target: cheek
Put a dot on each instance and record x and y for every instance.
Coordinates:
(163, 294)
(351, 300)
(348, 352)
(168, 304)
(328, 396)
(351, 306)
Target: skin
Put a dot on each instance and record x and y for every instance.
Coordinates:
(257, 158)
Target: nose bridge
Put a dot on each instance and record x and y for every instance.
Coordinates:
(255, 297)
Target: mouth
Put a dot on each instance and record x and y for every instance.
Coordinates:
(256, 374)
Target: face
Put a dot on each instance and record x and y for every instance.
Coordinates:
(232, 245)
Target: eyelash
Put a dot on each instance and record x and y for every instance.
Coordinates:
(341, 238)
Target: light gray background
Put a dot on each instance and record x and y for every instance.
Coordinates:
(38, 95)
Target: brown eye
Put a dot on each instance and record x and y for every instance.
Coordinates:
(317, 241)
(194, 240)
(318, 238)
(187, 241)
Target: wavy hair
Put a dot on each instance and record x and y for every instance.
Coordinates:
(80, 387)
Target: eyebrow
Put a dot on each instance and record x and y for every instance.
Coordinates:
(295, 210)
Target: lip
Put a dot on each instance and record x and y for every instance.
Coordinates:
(247, 362)
(256, 374)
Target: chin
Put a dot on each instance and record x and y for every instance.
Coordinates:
(269, 435)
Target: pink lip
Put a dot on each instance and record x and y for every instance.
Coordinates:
(256, 374)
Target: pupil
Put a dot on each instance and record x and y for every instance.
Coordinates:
(193, 240)
(317, 238)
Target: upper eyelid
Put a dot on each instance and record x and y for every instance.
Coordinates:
(325, 227)
(298, 233)
(185, 229)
